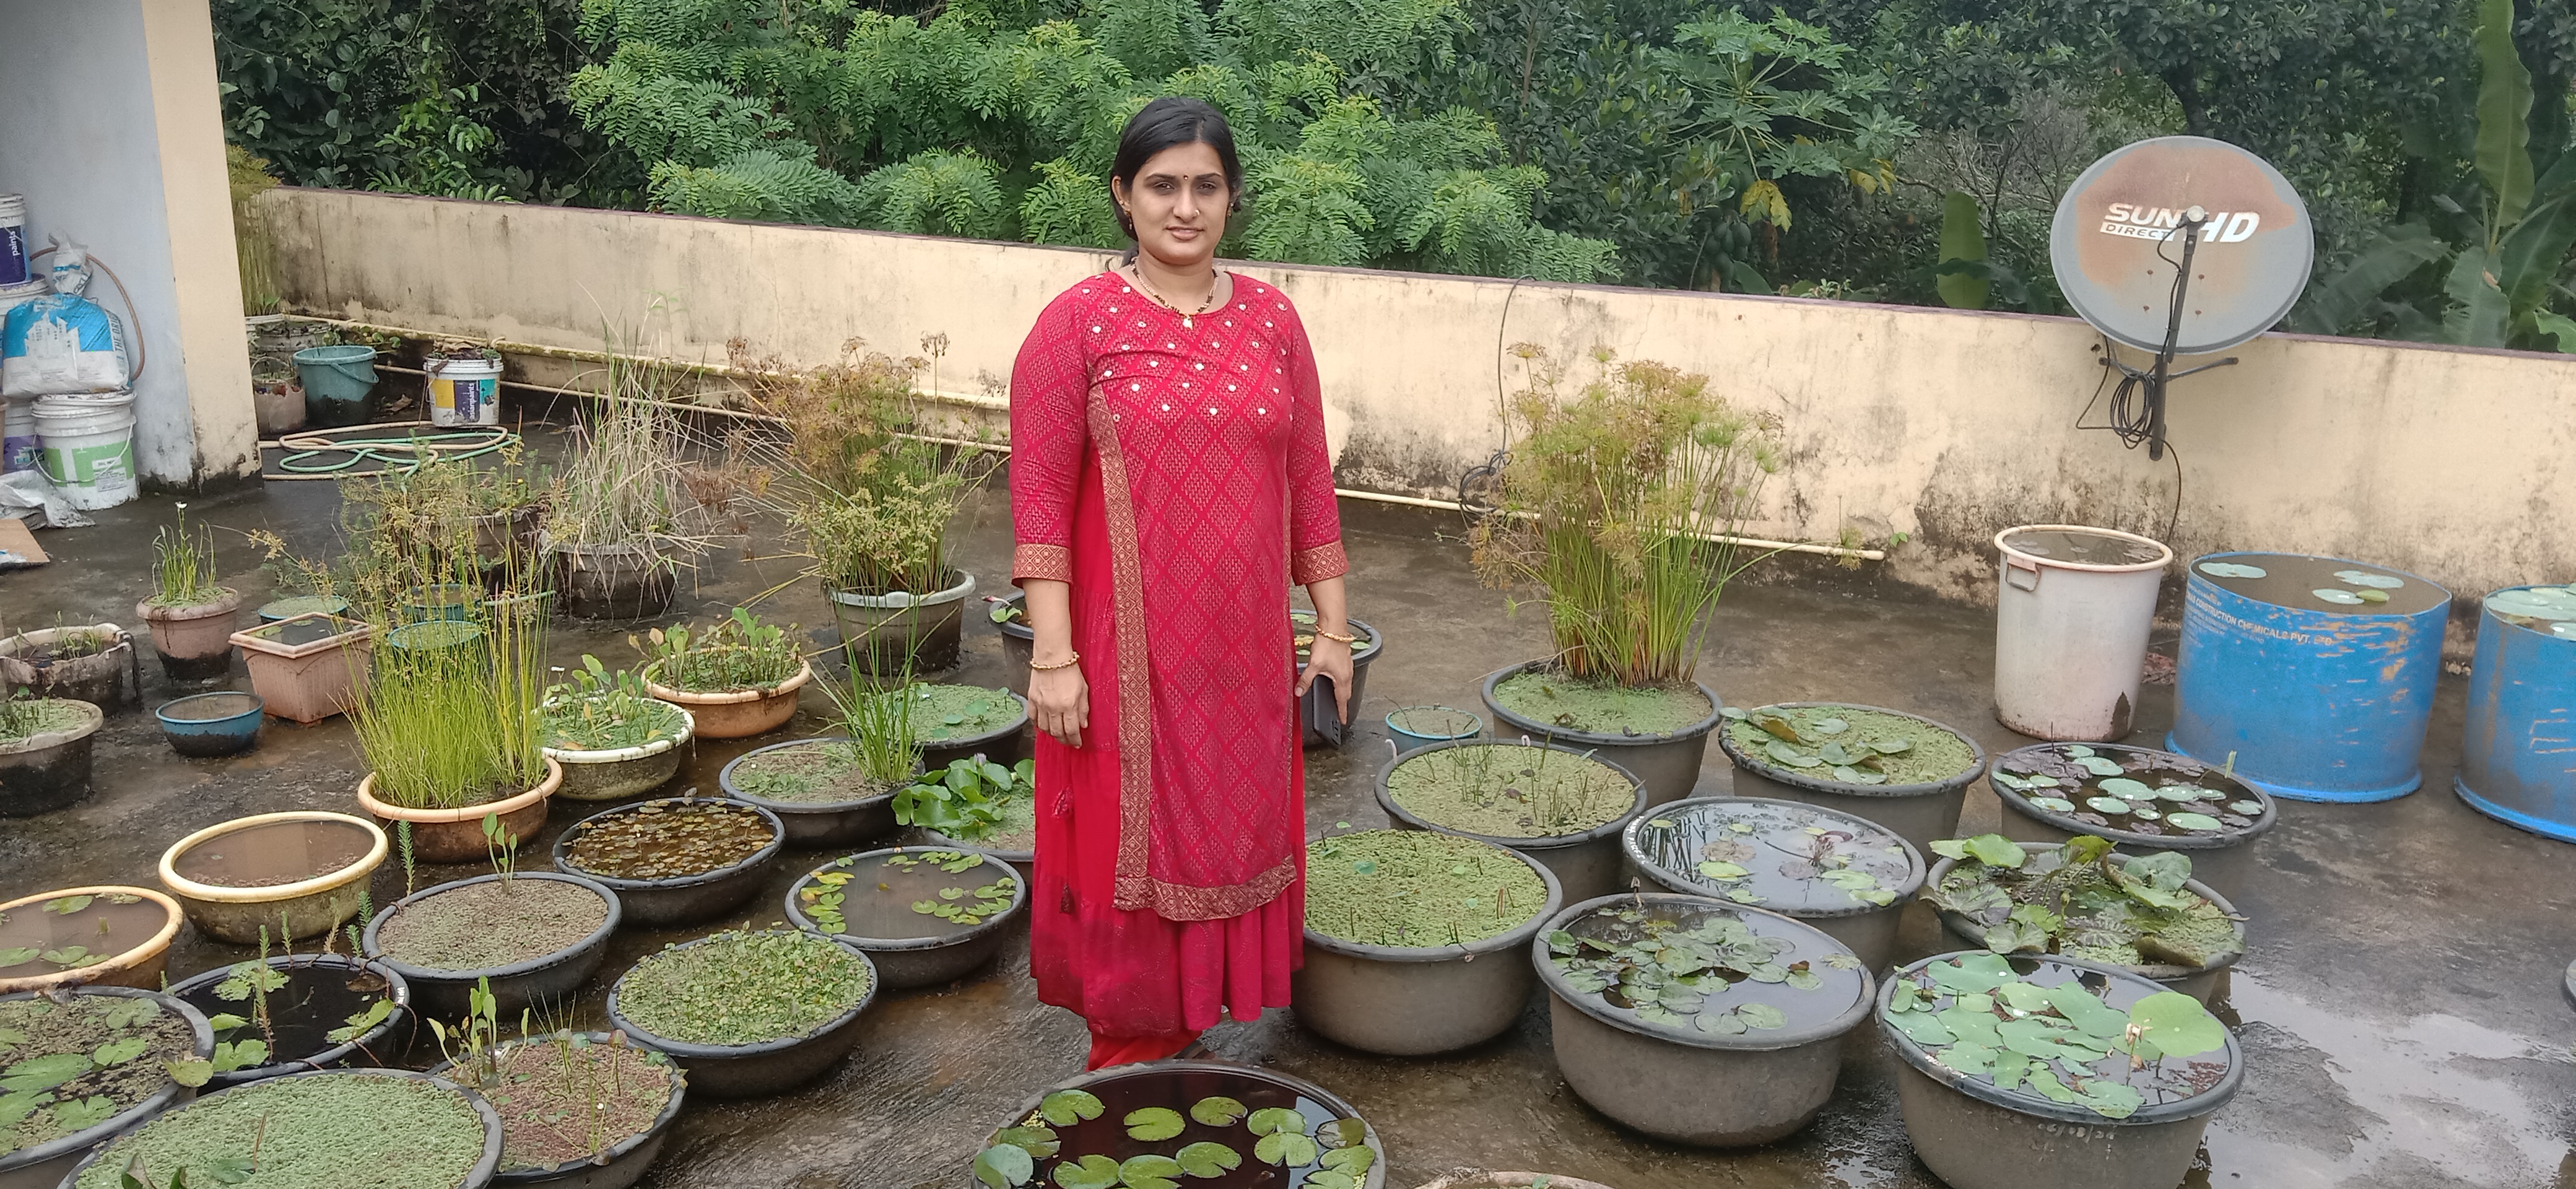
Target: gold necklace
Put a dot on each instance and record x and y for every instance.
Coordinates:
(1187, 316)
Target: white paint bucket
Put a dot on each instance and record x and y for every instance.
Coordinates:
(88, 447)
(13, 239)
(18, 441)
(2073, 608)
(464, 391)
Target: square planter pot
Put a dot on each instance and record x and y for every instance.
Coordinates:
(308, 667)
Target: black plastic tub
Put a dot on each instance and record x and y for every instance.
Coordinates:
(1006, 745)
(1586, 864)
(442, 994)
(45, 1164)
(1183, 1082)
(383, 1042)
(763, 1069)
(618, 1165)
(814, 824)
(1667, 851)
(1917, 813)
(679, 899)
(923, 961)
(1410, 1001)
(2199, 982)
(1666, 762)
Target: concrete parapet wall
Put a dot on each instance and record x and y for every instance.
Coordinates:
(1940, 425)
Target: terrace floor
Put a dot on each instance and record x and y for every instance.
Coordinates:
(2400, 1009)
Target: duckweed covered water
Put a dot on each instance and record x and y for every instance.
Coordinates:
(479, 926)
(1416, 888)
(1849, 745)
(816, 772)
(340, 1131)
(1602, 708)
(960, 711)
(670, 841)
(72, 1066)
(740, 988)
(1507, 790)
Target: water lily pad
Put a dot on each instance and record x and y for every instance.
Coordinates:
(2370, 596)
(2229, 569)
(1891, 746)
(2193, 821)
(1205, 1159)
(1274, 1120)
(1351, 1161)
(1004, 1166)
(1714, 869)
(2185, 792)
(2077, 750)
(1091, 1172)
(2564, 630)
(2100, 765)
(2122, 786)
(1832, 726)
(2106, 804)
(2365, 578)
(1037, 1140)
(2245, 807)
(1733, 712)
(1064, 1108)
(2054, 804)
(1835, 753)
(2146, 813)
(1336, 1134)
(2342, 598)
(1218, 1111)
(2547, 602)
(1151, 1171)
(1287, 1149)
(1155, 1123)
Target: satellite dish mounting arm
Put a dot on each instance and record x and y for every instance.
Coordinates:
(2155, 379)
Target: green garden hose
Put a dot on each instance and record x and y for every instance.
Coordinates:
(325, 454)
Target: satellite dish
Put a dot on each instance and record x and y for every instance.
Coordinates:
(2181, 245)
(2120, 233)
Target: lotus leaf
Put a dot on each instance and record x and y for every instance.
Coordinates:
(2176, 1025)
(1155, 1123)
(1714, 869)
(1971, 973)
(2106, 804)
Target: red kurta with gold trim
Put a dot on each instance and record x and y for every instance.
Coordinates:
(1174, 472)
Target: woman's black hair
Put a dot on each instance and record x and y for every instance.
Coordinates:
(1165, 123)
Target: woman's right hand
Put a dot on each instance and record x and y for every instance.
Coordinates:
(1060, 703)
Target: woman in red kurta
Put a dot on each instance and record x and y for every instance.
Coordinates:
(1169, 481)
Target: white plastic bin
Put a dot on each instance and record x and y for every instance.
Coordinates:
(464, 391)
(88, 450)
(2073, 608)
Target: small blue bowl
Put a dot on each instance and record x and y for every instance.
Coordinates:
(1422, 726)
(222, 723)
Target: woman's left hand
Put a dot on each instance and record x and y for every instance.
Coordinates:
(1329, 658)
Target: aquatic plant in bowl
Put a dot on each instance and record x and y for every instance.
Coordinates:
(45, 753)
(1902, 771)
(1698, 1021)
(2137, 797)
(85, 1063)
(612, 739)
(291, 1013)
(976, 804)
(1560, 806)
(1166, 1123)
(581, 1110)
(737, 677)
(953, 722)
(2145, 915)
(455, 734)
(836, 790)
(748, 1014)
(1395, 923)
(190, 614)
(925, 915)
(89, 663)
(527, 937)
(1625, 504)
(2051, 1071)
(674, 860)
(311, 1129)
(291, 875)
(106, 935)
(1848, 877)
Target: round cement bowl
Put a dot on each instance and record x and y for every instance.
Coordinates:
(1666, 762)
(924, 961)
(813, 824)
(1405, 1001)
(45, 1165)
(375, 1046)
(619, 1164)
(615, 773)
(2223, 861)
(456, 835)
(2198, 983)
(139, 964)
(1685, 1085)
(1184, 1082)
(1868, 930)
(678, 899)
(1974, 1136)
(204, 726)
(1005, 745)
(99, 678)
(1918, 813)
(309, 905)
(764, 1068)
(1586, 865)
(475, 1178)
(443, 994)
(50, 769)
(738, 714)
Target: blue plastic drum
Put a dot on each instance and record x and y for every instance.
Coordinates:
(2518, 764)
(2315, 673)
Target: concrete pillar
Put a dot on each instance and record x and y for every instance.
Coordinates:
(110, 125)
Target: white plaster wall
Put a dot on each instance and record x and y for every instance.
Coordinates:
(1942, 425)
(108, 120)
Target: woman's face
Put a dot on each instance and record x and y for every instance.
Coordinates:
(1178, 204)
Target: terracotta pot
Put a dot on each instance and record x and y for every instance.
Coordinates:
(456, 835)
(739, 714)
(195, 641)
(98, 679)
(303, 908)
(316, 679)
(138, 966)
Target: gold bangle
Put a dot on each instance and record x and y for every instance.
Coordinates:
(1350, 640)
(1068, 662)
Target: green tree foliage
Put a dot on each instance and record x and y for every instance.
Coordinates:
(993, 124)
